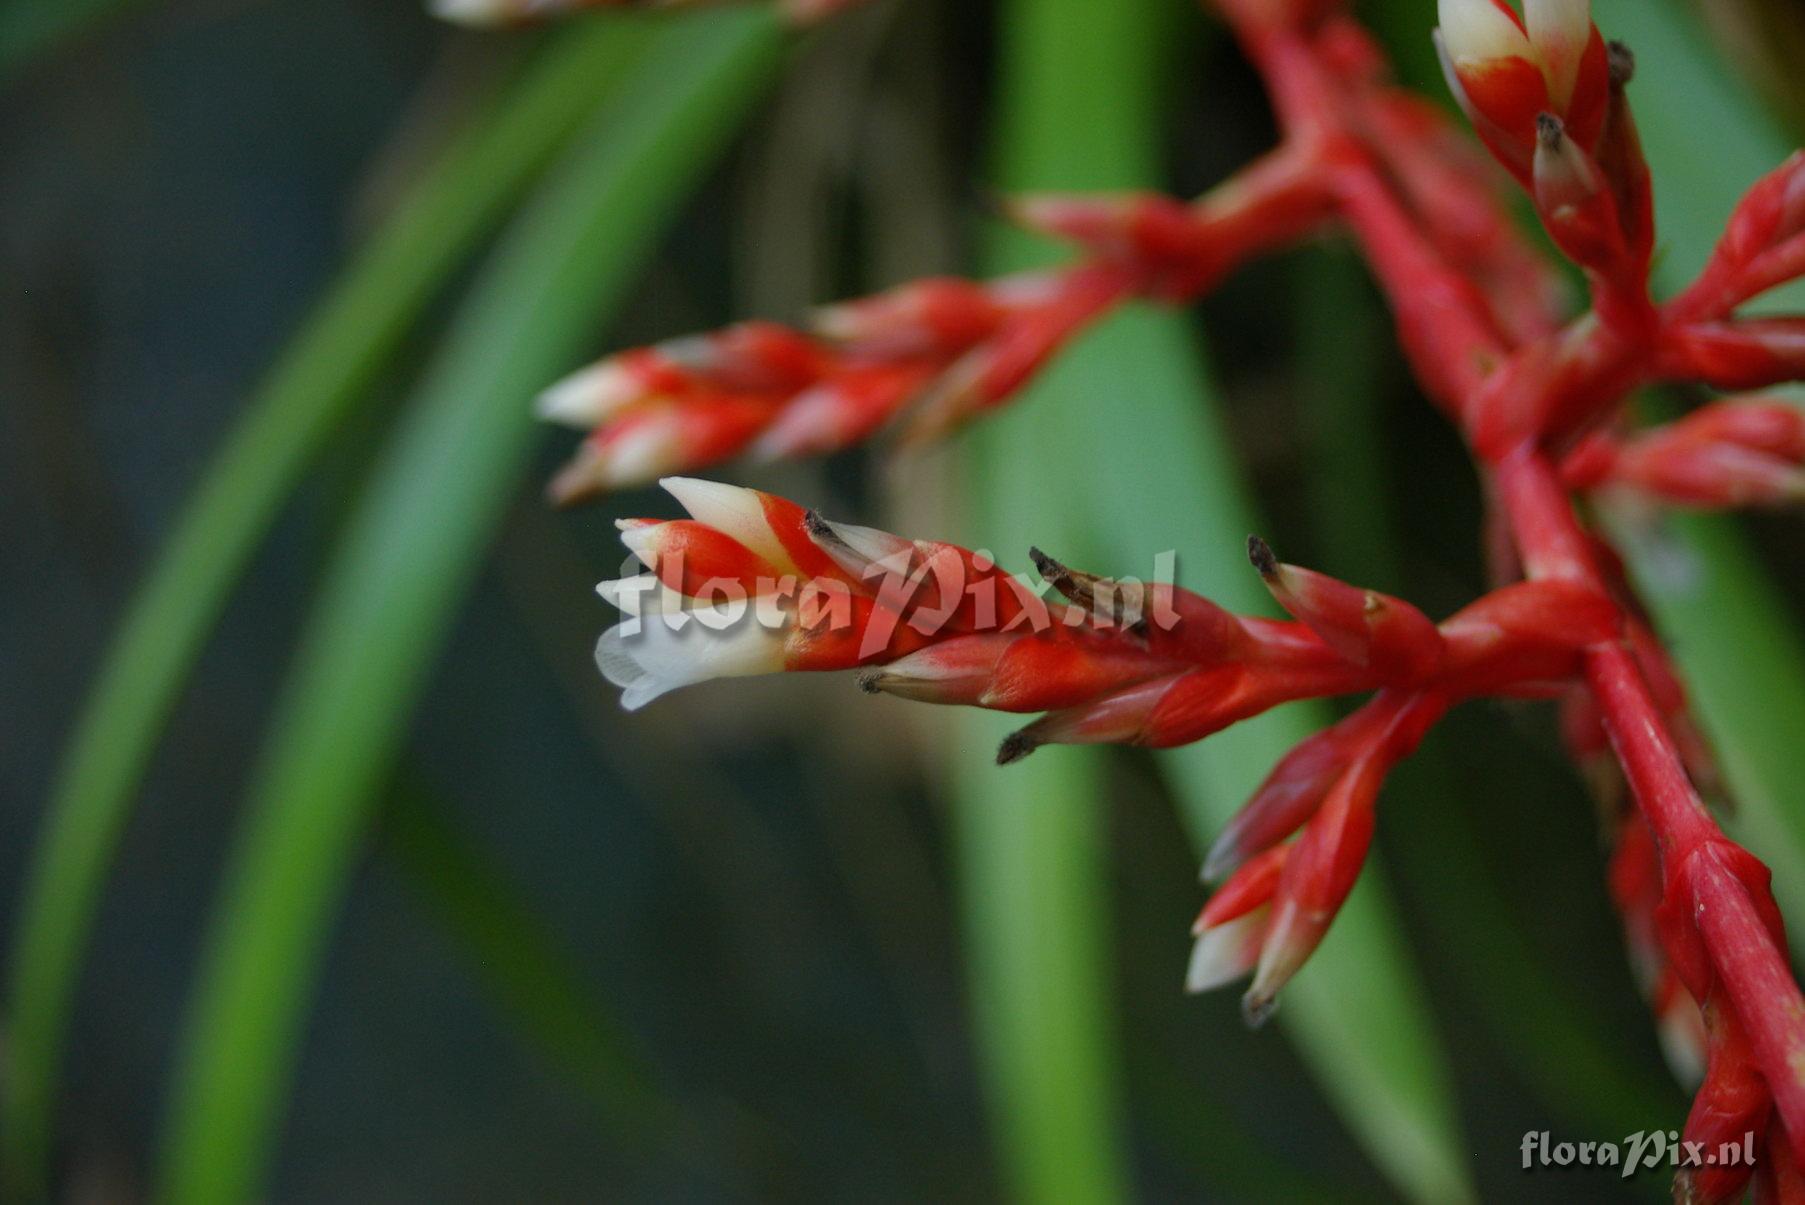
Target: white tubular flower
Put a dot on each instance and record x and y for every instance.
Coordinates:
(667, 650)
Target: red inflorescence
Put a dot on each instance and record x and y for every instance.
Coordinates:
(1540, 400)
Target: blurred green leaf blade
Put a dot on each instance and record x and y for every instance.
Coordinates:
(353, 332)
(1077, 112)
(409, 553)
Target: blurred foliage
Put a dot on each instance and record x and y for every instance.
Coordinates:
(673, 954)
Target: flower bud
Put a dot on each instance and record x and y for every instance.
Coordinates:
(1572, 199)
(587, 397)
(1732, 1101)
(1142, 228)
(1291, 792)
(938, 316)
(1397, 641)
(1235, 924)
(656, 437)
(842, 410)
(1504, 71)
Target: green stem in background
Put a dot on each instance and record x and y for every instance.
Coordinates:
(1118, 450)
(407, 557)
(354, 331)
(1707, 140)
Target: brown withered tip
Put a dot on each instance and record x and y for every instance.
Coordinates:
(1074, 586)
(1260, 553)
(870, 681)
(1257, 1010)
(817, 527)
(1015, 746)
(1550, 130)
(1620, 62)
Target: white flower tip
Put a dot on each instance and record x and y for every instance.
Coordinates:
(1226, 952)
(586, 397)
(642, 541)
(470, 12)
(1477, 30)
(1559, 31)
(622, 669)
(732, 510)
(1682, 1040)
(665, 651)
(632, 456)
(626, 593)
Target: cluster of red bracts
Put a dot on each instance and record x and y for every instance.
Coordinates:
(1151, 664)
(766, 391)
(752, 583)
(1745, 452)
(1545, 94)
(943, 350)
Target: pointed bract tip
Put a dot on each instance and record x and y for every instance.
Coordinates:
(1257, 1008)
(1550, 130)
(1260, 553)
(1621, 62)
(871, 681)
(1220, 862)
(1045, 565)
(1015, 746)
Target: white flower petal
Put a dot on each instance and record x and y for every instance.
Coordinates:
(471, 12)
(586, 397)
(669, 650)
(1559, 31)
(733, 510)
(1226, 952)
(1475, 30)
(855, 549)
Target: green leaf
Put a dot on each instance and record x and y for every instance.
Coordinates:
(1117, 452)
(1736, 641)
(354, 331)
(410, 550)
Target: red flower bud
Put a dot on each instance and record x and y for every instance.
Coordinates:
(1388, 635)
(1504, 72)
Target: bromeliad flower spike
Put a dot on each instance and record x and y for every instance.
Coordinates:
(1538, 395)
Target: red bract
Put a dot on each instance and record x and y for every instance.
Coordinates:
(1538, 396)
